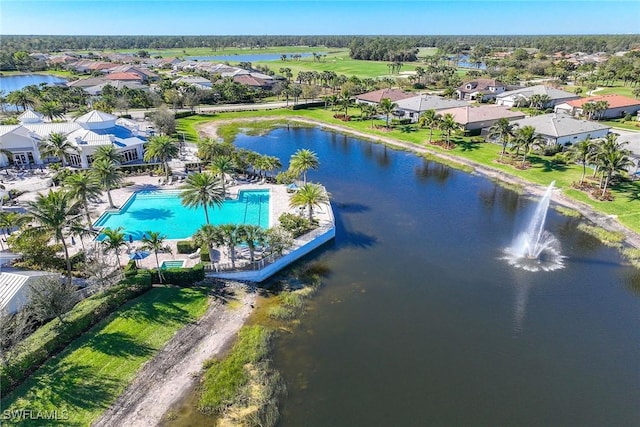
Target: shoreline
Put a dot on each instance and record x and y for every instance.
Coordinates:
(168, 377)
(608, 222)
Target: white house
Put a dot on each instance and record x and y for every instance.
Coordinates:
(87, 133)
(14, 288)
(519, 97)
(480, 89)
(617, 106)
(558, 128)
(413, 107)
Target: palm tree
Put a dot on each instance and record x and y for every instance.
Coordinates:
(252, 235)
(108, 152)
(209, 149)
(109, 176)
(11, 220)
(447, 125)
(21, 98)
(582, 152)
(83, 187)
(271, 163)
(52, 110)
(502, 130)
(309, 196)
(386, 107)
(227, 235)
(57, 145)
(55, 213)
(430, 119)
(526, 139)
(612, 162)
(114, 240)
(156, 243)
(202, 189)
(161, 148)
(221, 166)
(206, 236)
(303, 160)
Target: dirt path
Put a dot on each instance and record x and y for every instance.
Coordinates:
(164, 379)
(608, 222)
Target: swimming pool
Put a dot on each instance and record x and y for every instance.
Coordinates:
(163, 211)
(176, 263)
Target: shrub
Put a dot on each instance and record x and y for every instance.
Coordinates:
(55, 336)
(609, 238)
(184, 114)
(186, 246)
(295, 224)
(182, 276)
(204, 254)
(551, 150)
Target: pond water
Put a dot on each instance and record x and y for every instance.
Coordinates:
(419, 321)
(11, 83)
(254, 57)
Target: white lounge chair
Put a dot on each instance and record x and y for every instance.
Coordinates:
(195, 254)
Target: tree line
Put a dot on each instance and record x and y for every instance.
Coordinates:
(546, 43)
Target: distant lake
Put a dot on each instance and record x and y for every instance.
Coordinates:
(255, 57)
(11, 83)
(465, 62)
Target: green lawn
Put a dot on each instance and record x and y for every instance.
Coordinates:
(633, 125)
(542, 172)
(90, 374)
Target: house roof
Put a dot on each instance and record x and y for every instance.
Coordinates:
(377, 95)
(471, 114)
(13, 283)
(526, 92)
(559, 124)
(95, 116)
(87, 137)
(123, 76)
(43, 130)
(479, 84)
(614, 101)
(31, 116)
(429, 102)
(6, 129)
(91, 81)
(249, 80)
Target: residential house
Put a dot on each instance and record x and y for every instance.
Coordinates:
(413, 107)
(376, 96)
(145, 74)
(522, 97)
(196, 81)
(86, 133)
(563, 129)
(474, 118)
(14, 288)
(618, 106)
(124, 77)
(480, 90)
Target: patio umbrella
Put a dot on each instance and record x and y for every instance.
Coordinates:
(292, 187)
(139, 255)
(130, 238)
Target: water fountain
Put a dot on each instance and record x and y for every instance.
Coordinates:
(535, 248)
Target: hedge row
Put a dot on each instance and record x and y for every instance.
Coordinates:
(186, 246)
(182, 277)
(55, 336)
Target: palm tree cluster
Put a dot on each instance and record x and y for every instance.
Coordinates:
(608, 156)
(229, 236)
(594, 109)
(446, 124)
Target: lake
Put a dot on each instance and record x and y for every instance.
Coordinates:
(11, 83)
(420, 322)
(256, 57)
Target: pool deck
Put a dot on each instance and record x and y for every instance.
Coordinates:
(278, 204)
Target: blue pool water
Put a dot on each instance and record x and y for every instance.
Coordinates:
(163, 211)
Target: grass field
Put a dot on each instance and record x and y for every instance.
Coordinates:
(89, 375)
(542, 170)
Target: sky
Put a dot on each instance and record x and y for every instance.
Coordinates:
(318, 17)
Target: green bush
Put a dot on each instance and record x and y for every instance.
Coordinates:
(204, 254)
(184, 114)
(186, 246)
(181, 276)
(295, 224)
(54, 336)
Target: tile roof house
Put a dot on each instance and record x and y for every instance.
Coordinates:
(87, 133)
(563, 129)
(486, 88)
(376, 96)
(514, 98)
(618, 106)
(14, 287)
(125, 77)
(416, 105)
(145, 74)
(472, 118)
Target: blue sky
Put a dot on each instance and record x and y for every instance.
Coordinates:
(219, 17)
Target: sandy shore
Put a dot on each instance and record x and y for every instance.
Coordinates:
(173, 371)
(608, 222)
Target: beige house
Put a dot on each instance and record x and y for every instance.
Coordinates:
(475, 118)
